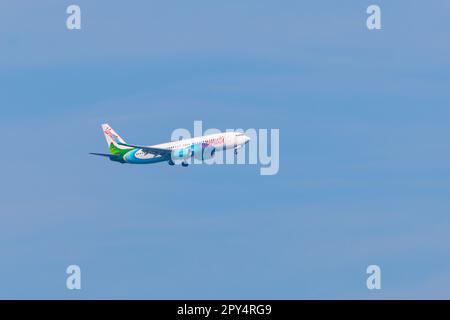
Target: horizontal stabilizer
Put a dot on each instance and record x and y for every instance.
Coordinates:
(113, 157)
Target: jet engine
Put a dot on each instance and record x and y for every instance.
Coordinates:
(203, 151)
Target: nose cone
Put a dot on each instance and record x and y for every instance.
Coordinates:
(246, 139)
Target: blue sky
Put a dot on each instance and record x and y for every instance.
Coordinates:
(364, 152)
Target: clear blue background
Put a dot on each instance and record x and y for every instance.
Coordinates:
(364, 161)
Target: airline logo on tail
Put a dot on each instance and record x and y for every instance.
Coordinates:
(113, 136)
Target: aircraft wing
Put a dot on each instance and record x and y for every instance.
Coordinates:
(155, 151)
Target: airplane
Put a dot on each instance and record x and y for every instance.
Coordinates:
(201, 148)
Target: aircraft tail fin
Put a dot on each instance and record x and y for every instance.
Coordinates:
(114, 140)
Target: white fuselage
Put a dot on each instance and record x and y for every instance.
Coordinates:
(218, 141)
